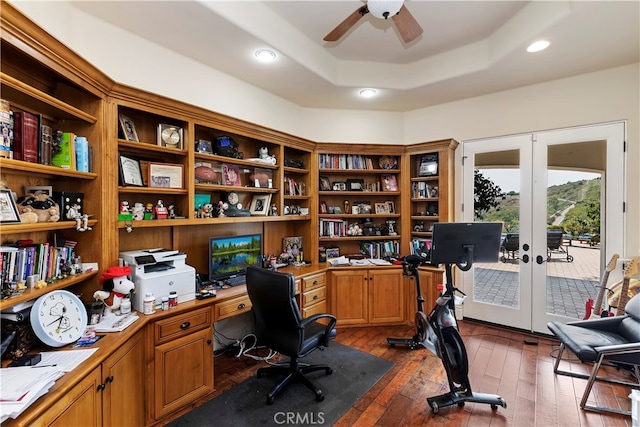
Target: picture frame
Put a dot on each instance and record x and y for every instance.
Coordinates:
(170, 136)
(355, 184)
(204, 146)
(323, 207)
(364, 207)
(391, 207)
(325, 184)
(130, 172)
(389, 182)
(428, 165)
(165, 175)
(201, 199)
(332, 253)
(33, 189)
(9, 213)
(128, 128)
(432, 191)
(381, 208)
(355, 210)
(260, 204)
(231, 174)
(339, 186)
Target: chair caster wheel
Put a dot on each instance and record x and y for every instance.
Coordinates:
(434, 407)
(319, 397)
(460, 404)
(329, 371)
(270, 400)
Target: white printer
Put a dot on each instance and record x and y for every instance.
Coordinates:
(160, 271)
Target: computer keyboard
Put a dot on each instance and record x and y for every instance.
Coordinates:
(235, 281)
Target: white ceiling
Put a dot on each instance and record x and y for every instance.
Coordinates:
(468, 48)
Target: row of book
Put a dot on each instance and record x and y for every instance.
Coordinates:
(333, 227)
(26, 137)
(420, 246)
(41, 259)
(293, 187)
(383, 249)
(423, 190)
(345, 161)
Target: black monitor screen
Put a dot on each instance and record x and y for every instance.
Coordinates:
(230, 255)
(465, 242)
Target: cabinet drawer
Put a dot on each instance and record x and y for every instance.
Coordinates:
(233, 307)
(317, 308)
(298, 285)
(182, 324)
(313, 296)
(313, 281)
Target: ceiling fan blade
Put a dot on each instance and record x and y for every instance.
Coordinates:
(406, 24)
(346, 25)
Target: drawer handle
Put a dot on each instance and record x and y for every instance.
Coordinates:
(185, 325)
(241, 306)
(315, 282)
(315, 297)
(101, 387)
(109, 379)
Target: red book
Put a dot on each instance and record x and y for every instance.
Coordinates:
(25, 137)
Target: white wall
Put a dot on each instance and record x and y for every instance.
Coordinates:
(598, 97)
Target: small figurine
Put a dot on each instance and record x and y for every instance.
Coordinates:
(346, 207)
(390, 225)
(115, 287)
(172, 211)
(138, 211)
(274, 210)
(124, 207)
(82, 220)
(148, 211)
(160, 211)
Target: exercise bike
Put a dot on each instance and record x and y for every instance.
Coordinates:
(438, 331)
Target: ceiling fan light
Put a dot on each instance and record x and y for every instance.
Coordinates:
(537, 46)
(384, 9)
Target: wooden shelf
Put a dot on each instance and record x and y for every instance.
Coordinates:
(134, 146)
(31, 294)
(232, 160)
(363, 216)
(27, 168)
(43, 226)
(152, 190)
(227, 188)
(359, 193)
(359, 171)
(211, 221)
(358, 238)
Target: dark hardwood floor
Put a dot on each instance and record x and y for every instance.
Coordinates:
(500, 362)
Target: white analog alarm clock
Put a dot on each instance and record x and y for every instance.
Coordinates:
(58, 318)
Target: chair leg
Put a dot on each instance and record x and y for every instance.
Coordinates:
(293, 372)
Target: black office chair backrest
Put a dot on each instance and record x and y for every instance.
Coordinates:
(275, 309)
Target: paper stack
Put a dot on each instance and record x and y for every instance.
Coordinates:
(21, 386)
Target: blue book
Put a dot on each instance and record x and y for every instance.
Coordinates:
(82, 154)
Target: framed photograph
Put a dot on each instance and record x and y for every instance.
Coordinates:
(364, 207)
(428, 165)
(339, 186)
(130, 173)
(381, 208)
(8, 210)
(391, 207)
(34, 189)
(323, 207)
(325, 184)
(165, 175)
(333, 253)
(204, 146)
(231, 174)
(355, 184)
(292, 246)
(128, 128)
(389, 183)
(170, 136)
(260, 204)
(432, 191)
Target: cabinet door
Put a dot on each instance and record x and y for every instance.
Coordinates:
(386, 296)
(82, 406)
(123, 375)
(183, 371)
(349, 296)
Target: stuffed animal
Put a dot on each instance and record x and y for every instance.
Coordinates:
(115, 287)
(41, 204)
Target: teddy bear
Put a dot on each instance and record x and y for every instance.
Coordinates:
(115, 287)
(46, 209)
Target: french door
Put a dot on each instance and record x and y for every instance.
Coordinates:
(537, 281)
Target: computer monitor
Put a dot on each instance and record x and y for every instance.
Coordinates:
(463, 243)
(229, 256)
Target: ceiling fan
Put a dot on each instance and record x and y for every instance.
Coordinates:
(406, 24)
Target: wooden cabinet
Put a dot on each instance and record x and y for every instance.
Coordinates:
(431, 174)
(182, 357)
(314, 294)
(360, 190)
(367, 296)
(111, 395)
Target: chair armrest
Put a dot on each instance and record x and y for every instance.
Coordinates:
(608, 350)
(328, 329)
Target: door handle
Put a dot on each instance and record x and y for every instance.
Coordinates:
(540, 259)
(525, 258)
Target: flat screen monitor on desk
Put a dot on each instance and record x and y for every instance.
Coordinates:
(464, 243)
(229, 256)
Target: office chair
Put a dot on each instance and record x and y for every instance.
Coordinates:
(280, 326)
(615, 340)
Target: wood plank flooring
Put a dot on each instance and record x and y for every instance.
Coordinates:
(500, 362)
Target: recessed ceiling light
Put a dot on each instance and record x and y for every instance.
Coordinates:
(538, 46)
(265, 55)
(368, 93)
